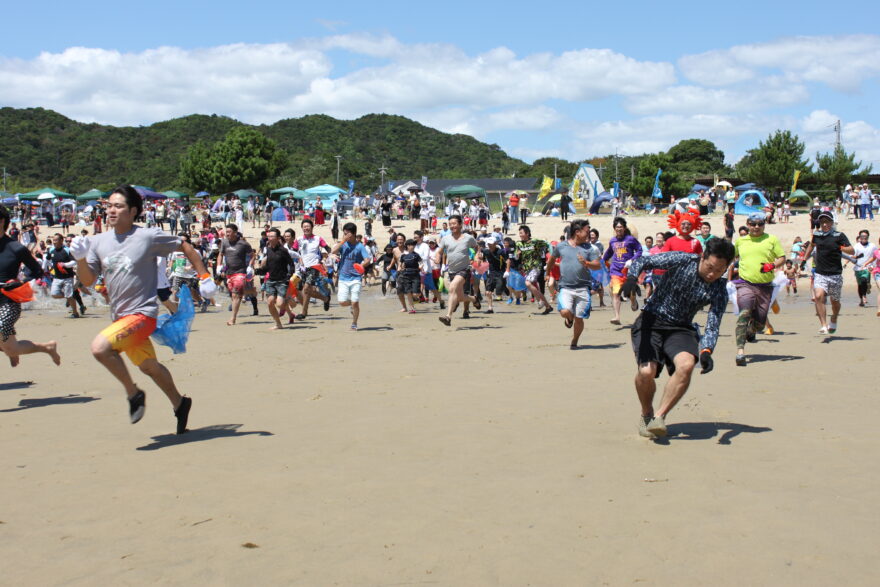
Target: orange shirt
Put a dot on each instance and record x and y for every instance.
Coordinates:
(514, 200)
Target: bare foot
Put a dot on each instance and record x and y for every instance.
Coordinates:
(404, 310)
(230, 323)
(13, 361)
(52, 348)
(277, 327)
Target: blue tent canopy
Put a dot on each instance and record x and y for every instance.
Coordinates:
(698, 186)
(749, 202)
(745, 186)
(325, 192)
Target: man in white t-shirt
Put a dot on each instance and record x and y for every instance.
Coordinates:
(309, 248)
(425, 252)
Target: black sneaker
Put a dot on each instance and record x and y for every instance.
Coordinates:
(490, 311)
(466, 314)
(182, 413)
(546, 311)
(137, 406)
(327, 305)
(442, 305)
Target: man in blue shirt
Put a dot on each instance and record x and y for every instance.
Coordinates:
(353, 258)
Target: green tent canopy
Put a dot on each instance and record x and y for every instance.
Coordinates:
(245, 194)
(800, 196)
(174, 195)
(290, 192)
(92, 194)
(37, 193)
(465, 191)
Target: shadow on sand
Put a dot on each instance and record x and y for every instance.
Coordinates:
(765, 358)
(200, 434)
(708, 430)
(41, 402)
(15, 385)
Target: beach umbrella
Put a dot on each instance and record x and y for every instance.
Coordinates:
(724, 184)
(46, 196)
(202, 194)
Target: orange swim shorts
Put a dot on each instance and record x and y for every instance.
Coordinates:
(131, 335)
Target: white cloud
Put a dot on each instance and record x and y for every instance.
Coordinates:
(841, 62)
(766, 94)
(262, 83)
(817, 132)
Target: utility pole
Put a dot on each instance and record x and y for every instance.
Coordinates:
(616, 175)
(5, 175)
(837, 134)
(554, 176)
(601, 171)
(632, 172)
(338, 159)
(382, 171)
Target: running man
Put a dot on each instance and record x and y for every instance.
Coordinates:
(578, 258)
(126, 257)
(623, 249)
(236, 254)
(531, 253)
(409, 266)
(456, 247)
(62, 266)
(353, 260)
(309, 248)
(279, 263)
(665, 333)
(13, 292)
(497, 260)
(760, 255)
(829, 246)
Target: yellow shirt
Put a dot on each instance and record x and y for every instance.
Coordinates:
(754, 252)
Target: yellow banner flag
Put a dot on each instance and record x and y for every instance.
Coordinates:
(546, 186)
(797, 174)
(576, 187)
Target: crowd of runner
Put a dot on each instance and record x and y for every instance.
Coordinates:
(453, 266)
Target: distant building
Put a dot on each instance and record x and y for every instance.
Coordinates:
(495, 188)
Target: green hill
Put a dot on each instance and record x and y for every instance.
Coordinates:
(40, 147)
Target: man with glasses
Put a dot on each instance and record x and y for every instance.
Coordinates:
(760, 255)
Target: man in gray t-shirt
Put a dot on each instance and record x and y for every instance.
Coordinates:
(126, 256)
(455, 247)
(577, 259)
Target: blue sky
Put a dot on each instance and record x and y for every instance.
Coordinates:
(560, 78)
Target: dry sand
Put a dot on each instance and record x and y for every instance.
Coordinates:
(412, 454)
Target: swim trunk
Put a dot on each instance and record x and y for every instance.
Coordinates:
(578, 301)
(830, 284)
(617, 282)
(235, 283)
(131, 335)
(428, 282)
(10, 312)
(312, 276)
(276, 289)
(62, 287)
(409, 284)
(349, 291)
(495, 283)
(532, 275)
(660, 343)
(191, 282)
(466, 274)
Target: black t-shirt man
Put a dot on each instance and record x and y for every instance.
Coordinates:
(496, 260)
(278, 263)
(55, 257)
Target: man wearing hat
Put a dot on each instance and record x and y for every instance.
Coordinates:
(760, 255)
(829, 245)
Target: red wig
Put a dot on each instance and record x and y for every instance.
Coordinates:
(675, 220)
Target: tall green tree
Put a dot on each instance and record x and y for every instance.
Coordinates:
(671, 182)
(838, 168)
(773, 162)
(697, 156)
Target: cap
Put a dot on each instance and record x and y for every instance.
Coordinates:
(757, 217)
(826, 214)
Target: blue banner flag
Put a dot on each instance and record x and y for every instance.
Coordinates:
(616, 188)
(558, 183)
(657, 194)
(350, 185)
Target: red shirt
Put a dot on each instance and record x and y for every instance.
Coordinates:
(678, 244)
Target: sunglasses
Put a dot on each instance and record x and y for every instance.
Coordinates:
(755, 223)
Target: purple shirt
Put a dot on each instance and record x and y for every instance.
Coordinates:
(620, 251)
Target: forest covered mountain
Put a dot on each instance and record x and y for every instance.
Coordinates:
(40, 147)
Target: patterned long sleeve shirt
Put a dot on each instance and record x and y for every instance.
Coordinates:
(682, 293)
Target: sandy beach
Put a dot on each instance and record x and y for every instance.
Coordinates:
(408, 453)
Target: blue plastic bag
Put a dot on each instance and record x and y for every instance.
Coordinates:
(601, 276)
(516, 281)
(172, 330)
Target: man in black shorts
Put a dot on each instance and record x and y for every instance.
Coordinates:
(492, 254)
(665, 333)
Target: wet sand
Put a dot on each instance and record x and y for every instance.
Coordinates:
(409, 453)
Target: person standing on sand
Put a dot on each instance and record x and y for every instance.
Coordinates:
(578, 259)
(665, 333)
(13, 292)
(126, 257)
(829, 246)
(455, 248)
